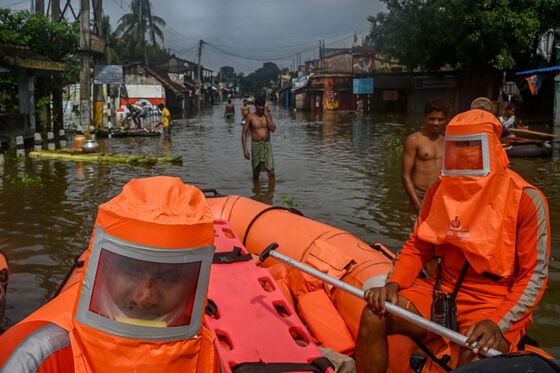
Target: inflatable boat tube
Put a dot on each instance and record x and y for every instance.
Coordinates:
(529, 150)
(3, 284)
(331, 315)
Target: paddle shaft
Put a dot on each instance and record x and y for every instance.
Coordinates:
(530, 132)
(452, 335)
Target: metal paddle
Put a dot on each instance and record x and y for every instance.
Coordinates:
(452, 335)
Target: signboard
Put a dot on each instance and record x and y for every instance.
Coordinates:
(97, 44)
(299, 82)
(363, 86)
(107, 74)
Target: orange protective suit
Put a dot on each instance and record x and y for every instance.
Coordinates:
(496, 221)
(158, 214)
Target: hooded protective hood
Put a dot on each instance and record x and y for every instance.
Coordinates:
(476, 202)
(157, 236)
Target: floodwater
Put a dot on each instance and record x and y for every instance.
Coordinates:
(343, 170)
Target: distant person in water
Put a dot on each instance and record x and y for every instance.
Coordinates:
(135, 113)
(260, 125)
(423, 152)
(509, 121)
(165, 120)
(230, 110)
(245, 110)
(483, 103)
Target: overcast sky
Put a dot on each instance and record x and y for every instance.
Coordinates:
(246, 33)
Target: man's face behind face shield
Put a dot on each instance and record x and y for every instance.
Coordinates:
(129, 288)
(466, 156)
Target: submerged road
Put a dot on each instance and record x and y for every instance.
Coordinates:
(339, 169)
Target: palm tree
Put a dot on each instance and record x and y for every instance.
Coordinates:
(140, 26)
(111, 50)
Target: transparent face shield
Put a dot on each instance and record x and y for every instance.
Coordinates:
(139, 292)
(466, 155)
(144, 293)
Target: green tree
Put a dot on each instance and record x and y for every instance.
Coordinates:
(112, 55)
(477, 35)
(227, 73)
(57, 41)
(139, 27)
(259, 79)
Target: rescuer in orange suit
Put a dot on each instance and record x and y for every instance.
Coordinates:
(139, 302)
(482, 219)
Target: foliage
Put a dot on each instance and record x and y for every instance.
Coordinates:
(227, 73)
(8, 95)
(478, 35)
(139, 27)
(395, 146)
(257, 80)
(33, 181)
(288, 201)
(58, 41)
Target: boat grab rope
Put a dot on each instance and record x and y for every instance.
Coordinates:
(77, 264)
(271, 208)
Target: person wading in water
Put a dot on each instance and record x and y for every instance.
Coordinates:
(245, 110)
(260, 125)
(423, 151)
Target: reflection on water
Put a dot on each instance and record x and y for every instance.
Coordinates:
(263, 193)
(343, 170)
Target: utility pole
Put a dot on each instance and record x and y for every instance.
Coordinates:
(199, 78)
(57, 112)
(55, 10)
(40, 6)
(556, 121)
(98, 101)
(85, 46)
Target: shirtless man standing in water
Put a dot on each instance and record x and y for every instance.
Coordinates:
(423, 153)
(245, 110)
(260, 125)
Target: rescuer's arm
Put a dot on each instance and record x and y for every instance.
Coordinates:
(533, 251)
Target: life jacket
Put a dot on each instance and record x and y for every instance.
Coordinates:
(476, 202)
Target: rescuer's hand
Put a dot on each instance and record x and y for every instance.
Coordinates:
(376, 297)
(485, 335)
(246, 154)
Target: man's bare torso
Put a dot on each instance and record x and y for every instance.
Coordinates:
(427, 164)
(258, 127)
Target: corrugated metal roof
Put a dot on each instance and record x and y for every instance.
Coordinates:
(541, 70)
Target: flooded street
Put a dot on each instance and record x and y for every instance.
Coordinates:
(341, 170)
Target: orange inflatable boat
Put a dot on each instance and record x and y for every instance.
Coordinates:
(331, 315)
(3, 284)
(271, 315)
